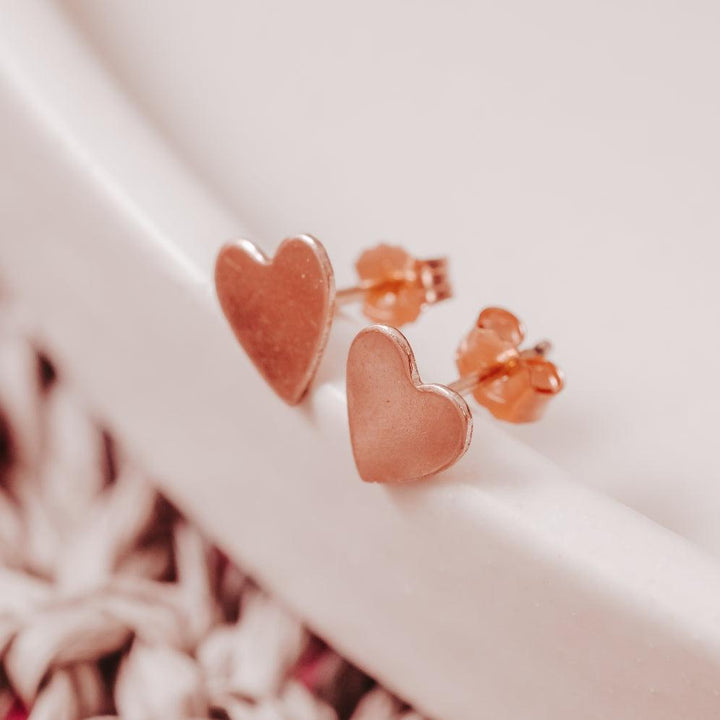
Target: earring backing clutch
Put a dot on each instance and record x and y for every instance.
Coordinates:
(403, 430)
(281, 309)
(394, 286)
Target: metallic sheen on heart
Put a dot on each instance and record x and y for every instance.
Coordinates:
(280, 310)
(401, 430)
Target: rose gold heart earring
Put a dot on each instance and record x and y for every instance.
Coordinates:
(403, 430)
(281, 309)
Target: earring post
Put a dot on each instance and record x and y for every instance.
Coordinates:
(344, 296)
(356, 293)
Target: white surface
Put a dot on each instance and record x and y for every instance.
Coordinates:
(504, 590)
(565, 155)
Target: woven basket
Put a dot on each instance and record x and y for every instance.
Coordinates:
(112, 604)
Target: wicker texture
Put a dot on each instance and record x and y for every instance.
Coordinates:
(111, 604)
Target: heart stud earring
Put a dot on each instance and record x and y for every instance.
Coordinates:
(281, 309)
(403, 430)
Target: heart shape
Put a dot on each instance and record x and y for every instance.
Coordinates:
(280, 310)
(401, 430)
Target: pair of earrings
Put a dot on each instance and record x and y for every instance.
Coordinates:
(401, 430)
